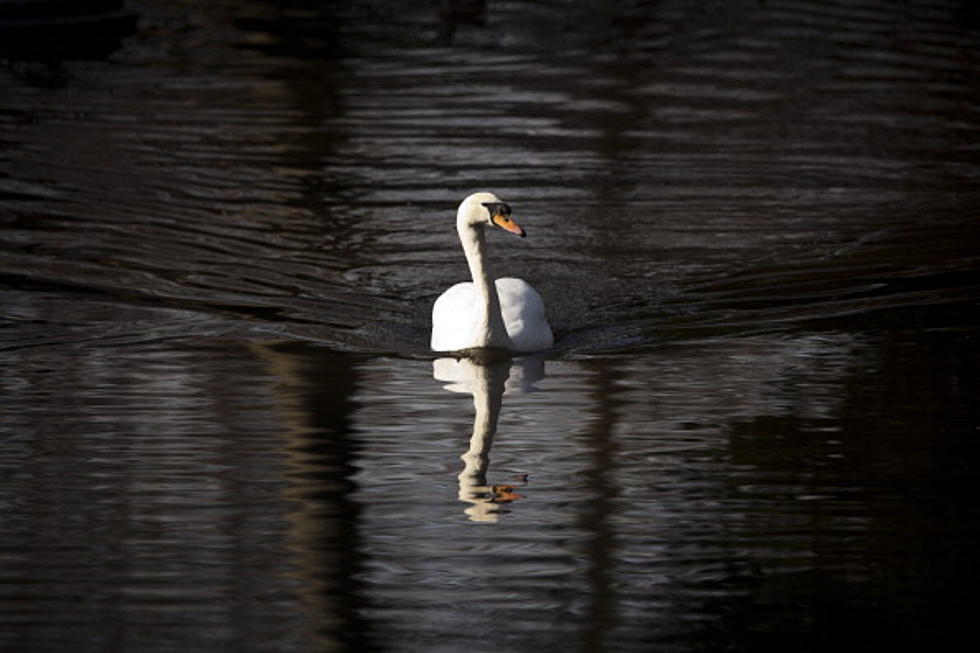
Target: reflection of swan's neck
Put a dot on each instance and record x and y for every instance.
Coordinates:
(486, 402)
(490, 329)
(488, 392)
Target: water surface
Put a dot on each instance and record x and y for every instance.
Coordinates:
(754, 227)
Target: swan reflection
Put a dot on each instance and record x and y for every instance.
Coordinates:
(487, 381)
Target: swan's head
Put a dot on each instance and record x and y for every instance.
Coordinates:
(480, 209)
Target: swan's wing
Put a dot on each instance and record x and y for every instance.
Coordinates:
(524, 315)
(453, 317)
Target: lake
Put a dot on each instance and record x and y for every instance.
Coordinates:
(755, 227)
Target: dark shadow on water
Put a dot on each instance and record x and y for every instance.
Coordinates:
(595, 520)
(877, 501)
(314, 389)
(52, 31)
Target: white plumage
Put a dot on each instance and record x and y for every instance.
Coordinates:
(507, 313)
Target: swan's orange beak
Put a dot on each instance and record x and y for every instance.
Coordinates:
(505, 222)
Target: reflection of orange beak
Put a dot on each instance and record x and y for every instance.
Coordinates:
(504, 493)
(505, 222)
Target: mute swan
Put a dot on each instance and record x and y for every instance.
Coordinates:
(506, 314)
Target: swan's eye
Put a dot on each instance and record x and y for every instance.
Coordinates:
(497, 208)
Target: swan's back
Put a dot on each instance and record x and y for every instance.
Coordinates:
(455, 317)
(458, 311)
(524, 316)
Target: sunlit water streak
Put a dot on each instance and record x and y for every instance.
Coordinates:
(755, 230)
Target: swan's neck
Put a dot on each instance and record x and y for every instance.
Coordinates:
(491, 331)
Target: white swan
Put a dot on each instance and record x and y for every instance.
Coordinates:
(506, 314)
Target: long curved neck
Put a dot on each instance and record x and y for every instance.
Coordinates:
(491, 329)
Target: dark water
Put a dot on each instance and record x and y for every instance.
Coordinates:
(755, 226)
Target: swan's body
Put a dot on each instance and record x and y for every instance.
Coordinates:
(458, 318)
(507, 313)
